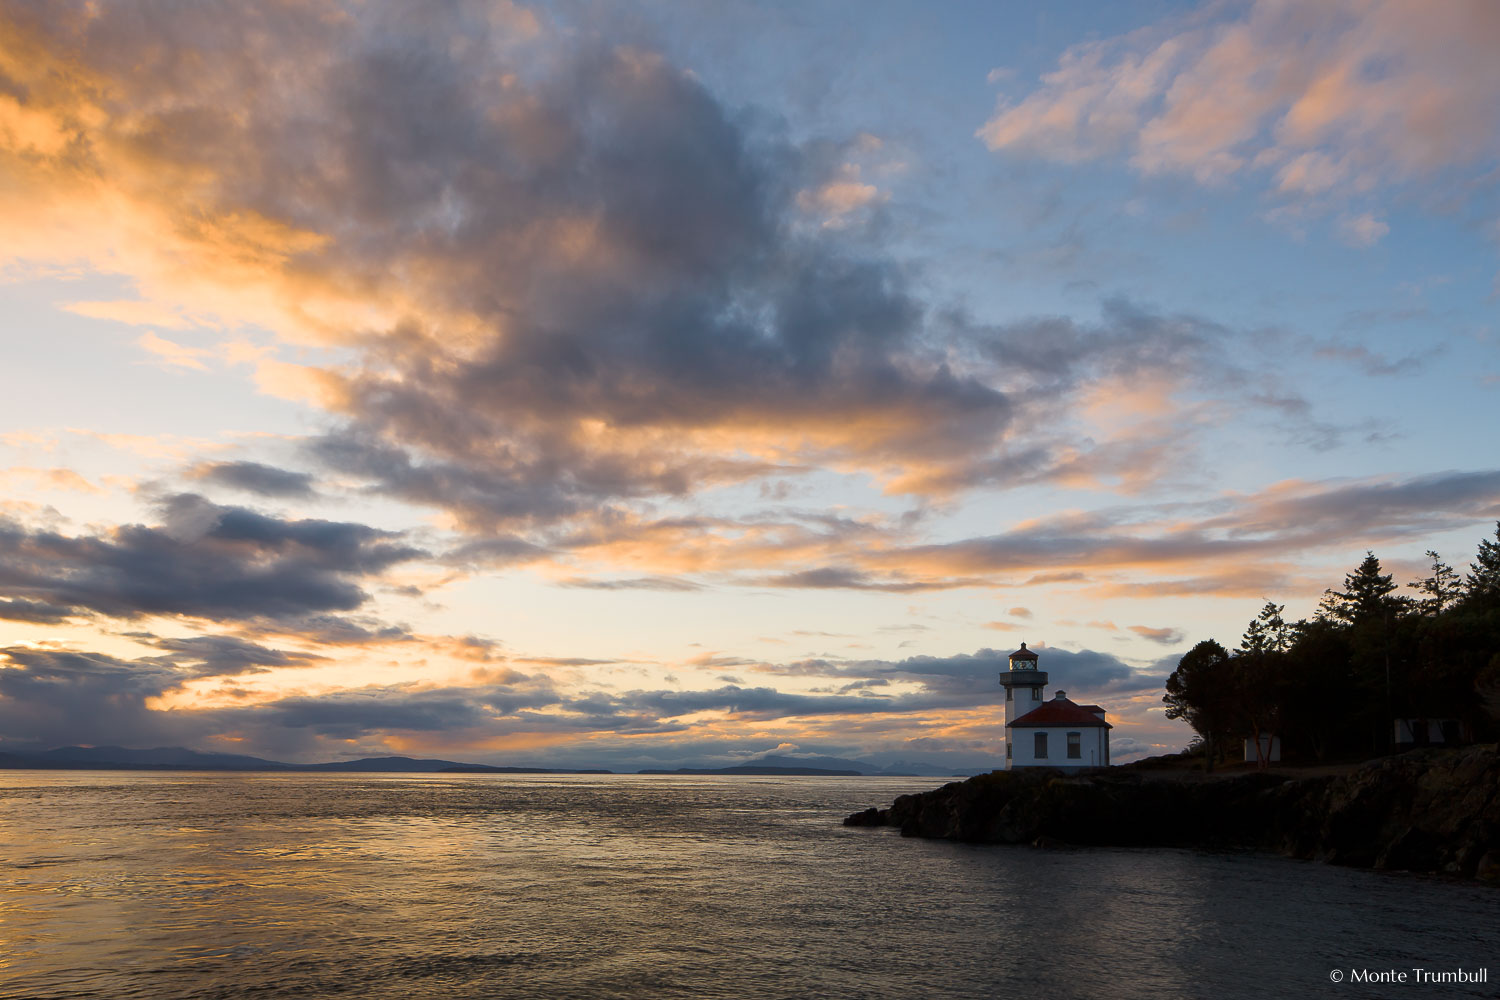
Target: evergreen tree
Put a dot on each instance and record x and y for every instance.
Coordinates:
(1440, 590)
(1318, 675)
(1366, 595)
(1258, 675)
(1328, 607)
(1331, 685)
(1483, 583)
(1373, 616)
(1267, 632)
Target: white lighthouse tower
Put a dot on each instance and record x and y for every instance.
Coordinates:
(1023, 684)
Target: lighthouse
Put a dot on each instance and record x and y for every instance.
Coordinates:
(1023, 684)
(1056, 733)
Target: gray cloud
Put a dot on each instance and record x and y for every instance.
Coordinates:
(590, 242)
(1228, 534)
(951, 681)
(61, 697)
(864, 685)
(1124, 749)
(1128, 340)
(359, 714)
(204, 560)
(36, 612)
(1413, 506)
(253, 477)
(1093, 673)
(1164, 636)
(47, 670)
(222, 655)
(847, 578)
(491, 551)
(58, 697)
(660, 583)
(611, 289)
(335, 630)
(1373, 363)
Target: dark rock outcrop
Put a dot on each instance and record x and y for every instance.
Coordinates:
(1425, 811)
(870, 817)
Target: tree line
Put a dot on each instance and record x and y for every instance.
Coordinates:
(1333, 684)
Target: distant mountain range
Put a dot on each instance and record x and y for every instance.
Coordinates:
(182, 759)
(755, 769)
(776, 764)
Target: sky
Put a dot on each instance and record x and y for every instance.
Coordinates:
(646, 384)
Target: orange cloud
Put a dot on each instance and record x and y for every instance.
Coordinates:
(1343, 94)
(1237, 545)
(840, 196)
(48, 479)
(173, 355)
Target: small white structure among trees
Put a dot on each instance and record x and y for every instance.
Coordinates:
(1267, 752)
(1413, 733)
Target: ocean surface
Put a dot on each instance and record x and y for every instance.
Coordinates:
(176, 885)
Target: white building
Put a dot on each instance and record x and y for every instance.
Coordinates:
(1051, 732)
(1268, 752)
(1430, 733)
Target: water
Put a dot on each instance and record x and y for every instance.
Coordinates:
(154, 885)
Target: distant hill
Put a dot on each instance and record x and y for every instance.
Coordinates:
(413, 765)
(757, 769)
(897, 769)
(116, 758)
(780, 764)
(419, 765)
(183, 759)
(840, 764)
(924, 770)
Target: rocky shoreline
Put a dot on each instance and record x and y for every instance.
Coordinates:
(1432, 811)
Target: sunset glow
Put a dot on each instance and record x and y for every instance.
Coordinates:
(635, 386)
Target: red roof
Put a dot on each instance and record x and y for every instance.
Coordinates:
(1059, 712)
(1091, 708)
(1022, 654)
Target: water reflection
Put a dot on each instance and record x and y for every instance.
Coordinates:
(195, 885)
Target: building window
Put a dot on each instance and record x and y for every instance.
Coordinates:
(1075, 746)
(1007, 749)
(1007, 694)
(1041, 746)
(1036, 694)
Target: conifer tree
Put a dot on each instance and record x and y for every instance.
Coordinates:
(1258, 677)
(1440, 590)
(1483, 582)
(1328, 607)
(1366, 593)
(1268, 632)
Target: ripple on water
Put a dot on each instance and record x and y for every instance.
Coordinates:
(185, 886)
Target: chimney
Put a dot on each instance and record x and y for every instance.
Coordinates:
(1061, 696)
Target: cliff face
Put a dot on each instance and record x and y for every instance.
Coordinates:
(1427, 811)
